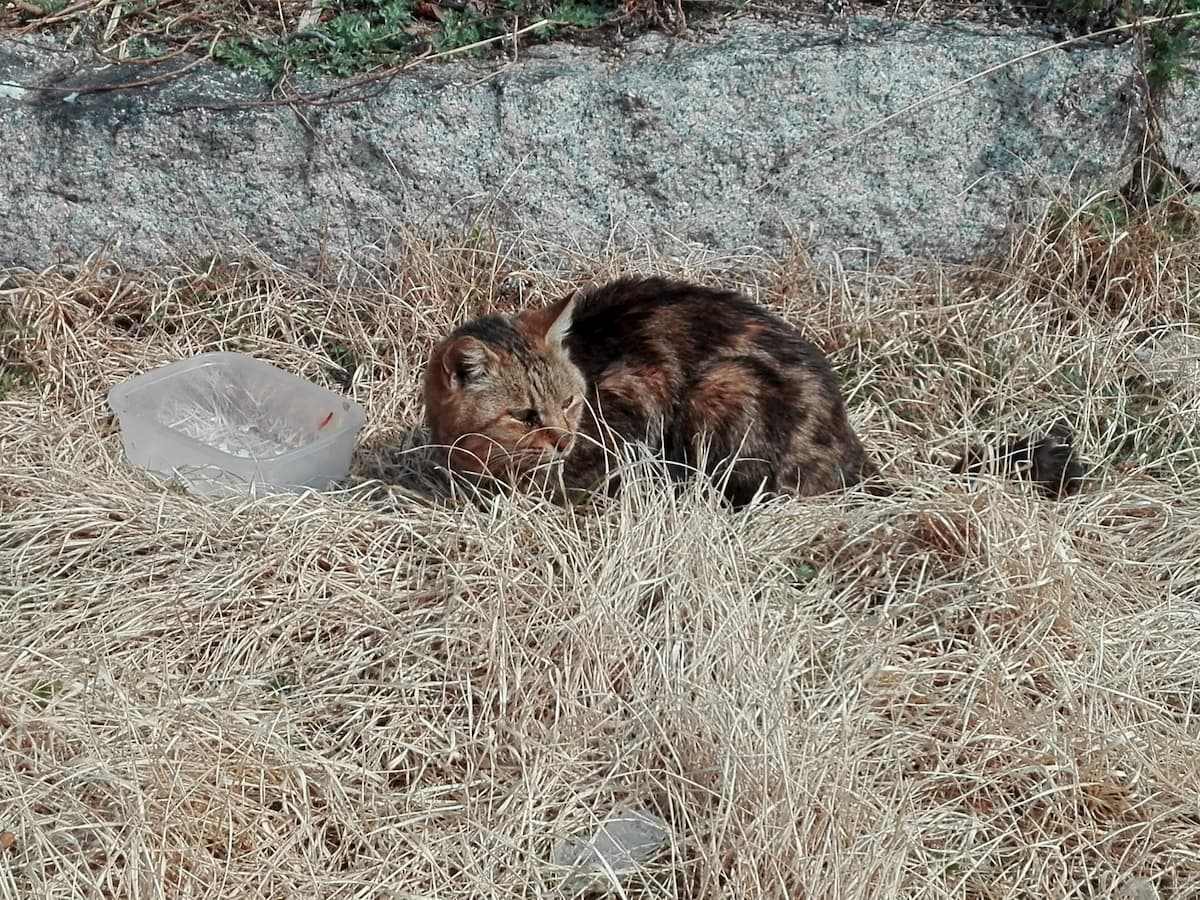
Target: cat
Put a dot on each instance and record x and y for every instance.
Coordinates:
(708, 378)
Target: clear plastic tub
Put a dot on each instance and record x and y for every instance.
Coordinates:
(223, 422)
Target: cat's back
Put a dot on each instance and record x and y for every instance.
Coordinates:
(633, 303)
(723, 377)
(665, 321)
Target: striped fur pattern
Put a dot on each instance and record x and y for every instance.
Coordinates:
(707, 378)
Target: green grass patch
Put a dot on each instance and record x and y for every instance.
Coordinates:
(14, 373)
(1169, 31)
(376, 34)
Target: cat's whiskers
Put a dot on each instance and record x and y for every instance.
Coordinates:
(560, 444)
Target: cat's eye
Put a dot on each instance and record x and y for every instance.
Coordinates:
(528, 417)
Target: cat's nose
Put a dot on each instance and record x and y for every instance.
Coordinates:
(564, 442)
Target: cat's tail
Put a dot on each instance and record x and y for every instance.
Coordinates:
(1050, 463)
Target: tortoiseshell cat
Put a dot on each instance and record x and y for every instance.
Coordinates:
(707, 377)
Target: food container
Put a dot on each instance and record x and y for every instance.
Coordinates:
(227, 422)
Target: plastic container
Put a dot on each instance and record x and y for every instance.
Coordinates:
(227, 422)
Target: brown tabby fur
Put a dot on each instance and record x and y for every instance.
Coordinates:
(707, 377)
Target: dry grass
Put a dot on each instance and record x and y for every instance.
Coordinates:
(959, 691)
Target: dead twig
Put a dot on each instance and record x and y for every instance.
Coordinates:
(129, 85)
(28, 8)
(345, 92)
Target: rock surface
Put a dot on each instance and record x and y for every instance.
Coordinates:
(1179, 120)
(896, 137)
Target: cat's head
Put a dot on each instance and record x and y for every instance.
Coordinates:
(501, 393)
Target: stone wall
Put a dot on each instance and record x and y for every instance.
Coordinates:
(902, 138)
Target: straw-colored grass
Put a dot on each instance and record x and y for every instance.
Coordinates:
(961, 691)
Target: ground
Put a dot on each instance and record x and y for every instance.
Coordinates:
(962, 690)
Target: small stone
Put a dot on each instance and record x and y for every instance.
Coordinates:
(1137, 889)
(619, 847)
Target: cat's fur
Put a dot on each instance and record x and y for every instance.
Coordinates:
(708, 377)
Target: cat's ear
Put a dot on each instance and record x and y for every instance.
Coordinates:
(553, 322)
(466, 359)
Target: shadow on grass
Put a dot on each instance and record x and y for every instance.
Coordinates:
(401, 457)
